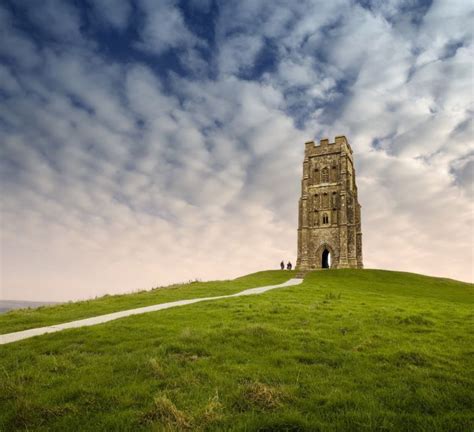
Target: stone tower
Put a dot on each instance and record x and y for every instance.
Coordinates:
(329, 229)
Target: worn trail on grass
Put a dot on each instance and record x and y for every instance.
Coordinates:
(25, 334)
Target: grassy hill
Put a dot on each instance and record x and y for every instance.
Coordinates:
(43, 316)
(351, 350)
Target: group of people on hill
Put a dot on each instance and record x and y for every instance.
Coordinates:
(289, 266)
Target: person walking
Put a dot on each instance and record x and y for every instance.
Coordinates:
(282, 265)
(289, 266)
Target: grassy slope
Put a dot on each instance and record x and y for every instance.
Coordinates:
(23, 319)
(346, 350)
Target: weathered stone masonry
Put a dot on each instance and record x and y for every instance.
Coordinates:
(329, 211)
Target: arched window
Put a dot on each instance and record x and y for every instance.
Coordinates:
(325, 175)
(316, 176)
(333, 173)
(325, 219)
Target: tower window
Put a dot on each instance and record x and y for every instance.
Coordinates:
(325, 219)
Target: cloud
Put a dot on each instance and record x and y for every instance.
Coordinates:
(15, 46)
(183, 158)
(164, 28)
(113, 12)
(56, 18)
(413, 191)
(238, 54)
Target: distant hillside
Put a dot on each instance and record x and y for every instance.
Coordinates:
(347, 350)
(6, 305)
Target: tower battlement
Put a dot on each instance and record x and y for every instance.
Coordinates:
(329, 230)
(324, 146)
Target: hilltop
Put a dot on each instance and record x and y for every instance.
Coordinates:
(345, 350)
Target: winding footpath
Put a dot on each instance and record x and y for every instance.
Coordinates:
(25, 334)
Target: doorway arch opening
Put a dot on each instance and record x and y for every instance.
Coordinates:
(326, 259)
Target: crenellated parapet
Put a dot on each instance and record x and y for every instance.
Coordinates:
(325, 146)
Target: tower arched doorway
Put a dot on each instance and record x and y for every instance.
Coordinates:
(326, 259)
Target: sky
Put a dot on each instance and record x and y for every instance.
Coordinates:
(149, 142)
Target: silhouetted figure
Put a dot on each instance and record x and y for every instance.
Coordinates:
(289, 266)
(282, 265)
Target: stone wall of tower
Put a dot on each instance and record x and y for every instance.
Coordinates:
(329, 211)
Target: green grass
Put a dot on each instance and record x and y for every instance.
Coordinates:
(23, 319)
(347, 350)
